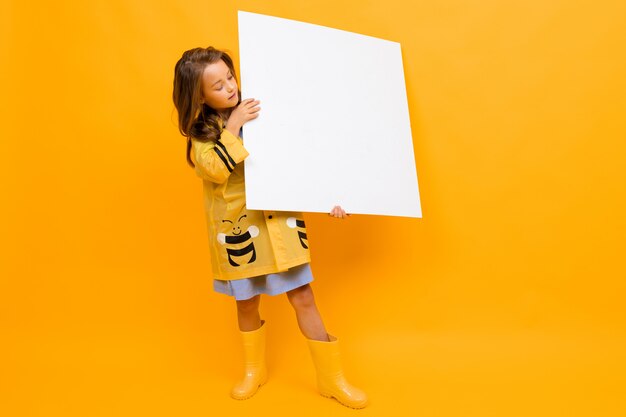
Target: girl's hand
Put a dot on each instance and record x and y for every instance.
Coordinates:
(245, 111)
(337, 211)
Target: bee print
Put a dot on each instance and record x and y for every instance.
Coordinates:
(237, 238)
(292, 222)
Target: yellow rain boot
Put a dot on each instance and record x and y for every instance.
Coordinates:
(330, 380)
(254, 363)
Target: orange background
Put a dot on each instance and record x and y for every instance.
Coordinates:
(511, 303)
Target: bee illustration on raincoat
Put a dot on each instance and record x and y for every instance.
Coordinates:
(239, 238)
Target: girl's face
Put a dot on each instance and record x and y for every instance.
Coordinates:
(219, 88)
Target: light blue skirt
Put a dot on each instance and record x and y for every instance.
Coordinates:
(270, 284)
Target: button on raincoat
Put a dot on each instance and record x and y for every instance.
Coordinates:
(243, 243)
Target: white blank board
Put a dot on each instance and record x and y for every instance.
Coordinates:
(334, 124)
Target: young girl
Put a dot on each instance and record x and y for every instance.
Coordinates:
(253, 252)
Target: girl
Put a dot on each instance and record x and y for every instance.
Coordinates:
(252, 251)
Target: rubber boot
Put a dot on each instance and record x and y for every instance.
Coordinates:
(330, 380)
(254, 364)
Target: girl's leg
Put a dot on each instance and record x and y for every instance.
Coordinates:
(309, 319)
(252, 330)
(248, 313)
(324, 350)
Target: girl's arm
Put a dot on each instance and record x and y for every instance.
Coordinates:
(216, 160)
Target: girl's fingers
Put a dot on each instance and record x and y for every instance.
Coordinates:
(338, 212)
(248, 102)
(252, 108)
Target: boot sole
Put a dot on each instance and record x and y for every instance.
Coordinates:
(261, 383)
(354, 406)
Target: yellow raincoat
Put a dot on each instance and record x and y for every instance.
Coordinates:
(243, 243)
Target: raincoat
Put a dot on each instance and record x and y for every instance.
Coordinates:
(243, 243)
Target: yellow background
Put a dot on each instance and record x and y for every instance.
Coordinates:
(506, 299)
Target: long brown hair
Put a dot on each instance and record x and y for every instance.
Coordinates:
(196, 119)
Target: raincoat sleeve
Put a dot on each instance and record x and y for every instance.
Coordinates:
(216, 160)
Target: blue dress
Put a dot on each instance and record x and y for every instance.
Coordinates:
(271, 284)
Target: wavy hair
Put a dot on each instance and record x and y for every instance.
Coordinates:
(196, 119)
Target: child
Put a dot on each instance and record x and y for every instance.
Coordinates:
(252, 251)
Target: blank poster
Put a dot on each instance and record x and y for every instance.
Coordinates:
(334, 124)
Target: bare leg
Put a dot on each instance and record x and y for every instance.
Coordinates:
(309, 319)
(324, 351)
(248, 315)
(253, 337)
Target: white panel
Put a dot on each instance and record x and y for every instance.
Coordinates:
(334, 125)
